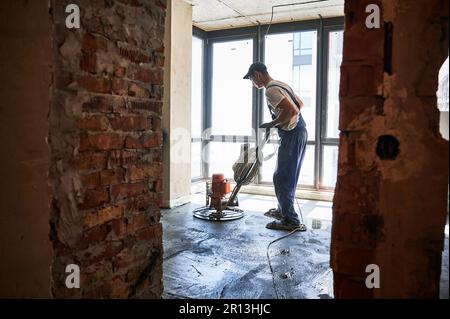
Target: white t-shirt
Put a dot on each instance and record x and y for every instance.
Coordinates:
(275, 95)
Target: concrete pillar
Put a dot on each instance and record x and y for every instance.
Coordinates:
(177, 104)
(390, 202)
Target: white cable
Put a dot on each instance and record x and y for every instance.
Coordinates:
(268, 257)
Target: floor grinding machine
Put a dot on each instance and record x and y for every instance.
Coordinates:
(221, 207)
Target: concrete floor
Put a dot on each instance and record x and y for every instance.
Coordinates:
(227, 260)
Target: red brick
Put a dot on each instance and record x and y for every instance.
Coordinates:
(95, 84)
(147, 106)
(98, 253)
(94, 198)
(159, 60)
(129, 256)
(112, 176)
(150, 233)
(124, 228)
(344, 261)
(121, 158)
(91, 181)
(93, 123)
(138, 91)
(129, 123)
(156, 124)
(89, 161)
(145, 171)
(145, 202)
(148, 140)
(103, 216)
(104, 141)
(149, 76)
(128, 190)
(92, 236)
(350, 288)
(89, 44)
(92, 43)
(88, 62)
(134, 55)
(158, 187)
(100, 104)
(360, 80)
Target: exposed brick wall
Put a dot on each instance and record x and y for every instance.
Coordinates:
(105, 141)
(391, 211)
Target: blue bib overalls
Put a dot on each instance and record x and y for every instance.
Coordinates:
(291, 153)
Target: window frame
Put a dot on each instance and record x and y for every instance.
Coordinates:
(257, 34)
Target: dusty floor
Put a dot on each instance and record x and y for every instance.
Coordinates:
(205, 259)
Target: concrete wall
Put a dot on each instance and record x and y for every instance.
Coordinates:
(177, 104)
(25, 55)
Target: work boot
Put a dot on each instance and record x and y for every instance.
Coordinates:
(274, 213)
(282, 225)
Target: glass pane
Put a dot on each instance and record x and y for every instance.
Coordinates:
(231, 94)
(330, 161)
(222, 156)
(268, 167)
(196, 163)
(292, 58)
(196, 98)
(334, 72)
(306, 172)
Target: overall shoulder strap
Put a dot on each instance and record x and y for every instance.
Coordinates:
(288, 92)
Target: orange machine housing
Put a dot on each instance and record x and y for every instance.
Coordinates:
(220, 187)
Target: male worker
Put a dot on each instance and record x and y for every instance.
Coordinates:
(284, 107)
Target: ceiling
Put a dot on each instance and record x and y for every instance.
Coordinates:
(212, 15)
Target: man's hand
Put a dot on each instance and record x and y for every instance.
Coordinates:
(267, 125)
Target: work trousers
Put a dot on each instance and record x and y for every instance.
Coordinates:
(291, 153)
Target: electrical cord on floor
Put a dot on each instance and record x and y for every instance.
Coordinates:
(268, 257)
(302, 227)
(238, 170)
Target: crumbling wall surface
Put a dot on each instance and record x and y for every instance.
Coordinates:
(105, 141)
(390, 202)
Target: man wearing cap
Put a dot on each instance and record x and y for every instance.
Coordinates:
(284, 106)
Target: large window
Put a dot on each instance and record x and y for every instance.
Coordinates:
(231, 104)
(292, 58)
(334, 73)
(308, 58)
(231, 94)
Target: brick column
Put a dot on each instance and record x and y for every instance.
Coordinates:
(391, 195)
(105, 141)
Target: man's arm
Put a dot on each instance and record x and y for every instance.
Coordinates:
(287, 112)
